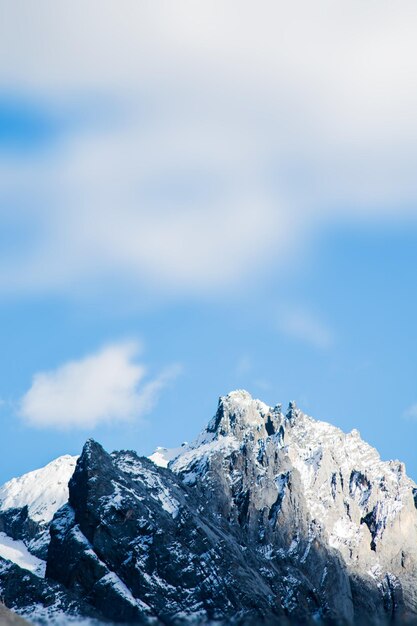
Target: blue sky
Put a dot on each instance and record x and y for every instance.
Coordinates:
(192, 204)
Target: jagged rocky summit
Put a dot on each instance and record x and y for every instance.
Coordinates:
(267, 517)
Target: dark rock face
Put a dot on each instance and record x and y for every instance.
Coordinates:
(17, 524)
(24, 592)
(133, 542)
(265, 519)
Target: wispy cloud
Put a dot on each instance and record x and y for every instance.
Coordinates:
(307, 328)
(206, 158)
(243, 365)
(107, 386)
(410, 413)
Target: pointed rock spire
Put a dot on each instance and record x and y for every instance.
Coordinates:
(292, 413)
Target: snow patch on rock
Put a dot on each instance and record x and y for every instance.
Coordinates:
(17, 552)
(163, 456)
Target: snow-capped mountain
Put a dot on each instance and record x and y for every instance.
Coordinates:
(266, 515)
(357, 503)
(43, 491)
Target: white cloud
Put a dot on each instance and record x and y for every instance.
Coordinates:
(410, 414)
(305, 327)
(107, 386)
(224, 134)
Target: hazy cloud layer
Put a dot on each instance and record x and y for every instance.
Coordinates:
(107, 386)
(196, 143)
(307, 328)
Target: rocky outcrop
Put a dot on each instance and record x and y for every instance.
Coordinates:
(40, 600)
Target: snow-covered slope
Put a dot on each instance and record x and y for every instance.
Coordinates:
(43, 490)
(17, 552)
(29, 503)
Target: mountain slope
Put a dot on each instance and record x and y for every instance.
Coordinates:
(28, 503)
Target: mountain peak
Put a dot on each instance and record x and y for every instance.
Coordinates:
(349, 492)
(238, 412)
(91, 446)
